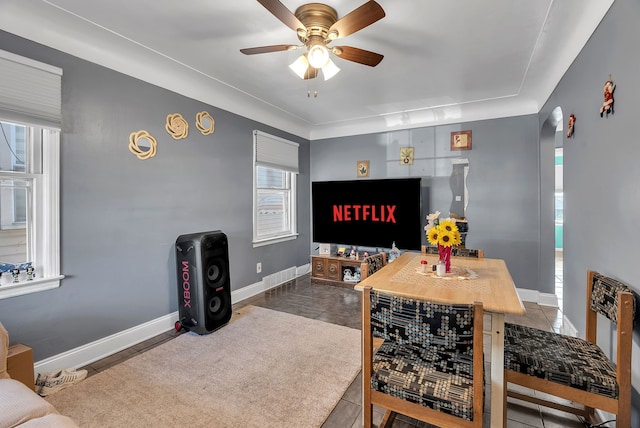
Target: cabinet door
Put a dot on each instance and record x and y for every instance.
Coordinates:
(319, 268)
(333, 270)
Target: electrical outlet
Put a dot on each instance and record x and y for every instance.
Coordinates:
(258, 267)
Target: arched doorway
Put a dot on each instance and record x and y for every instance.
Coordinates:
(551, 207)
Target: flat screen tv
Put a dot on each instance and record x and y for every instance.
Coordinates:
(370, 213)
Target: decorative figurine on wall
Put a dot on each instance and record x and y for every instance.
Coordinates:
(572, 121)
(607, 106)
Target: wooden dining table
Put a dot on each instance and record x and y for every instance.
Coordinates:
(471, 280)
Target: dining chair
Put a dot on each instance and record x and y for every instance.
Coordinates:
(455, 251)
(372, 264)
(573, 368)
(428, 364)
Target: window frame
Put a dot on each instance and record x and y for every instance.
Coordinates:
(290, 175)
(45, 222)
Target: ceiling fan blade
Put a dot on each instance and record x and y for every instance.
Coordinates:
(281, 12)
(357, 19)
(358, 55)
(267, 49)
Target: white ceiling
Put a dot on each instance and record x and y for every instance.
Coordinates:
(445, 61)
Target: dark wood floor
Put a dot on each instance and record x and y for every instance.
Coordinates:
(341, 305)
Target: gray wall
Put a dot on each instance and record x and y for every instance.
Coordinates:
(120, 216)
(503, 182)
(601, 176)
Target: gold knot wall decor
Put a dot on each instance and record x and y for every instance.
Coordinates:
(176, 126)
(142, 153)
(205, 123)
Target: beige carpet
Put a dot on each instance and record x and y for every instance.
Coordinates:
(263, 369)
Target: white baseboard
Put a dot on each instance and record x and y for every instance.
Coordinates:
(543, 299)
(247, 292)
(268, 282)
(101, 348)
(568, 328)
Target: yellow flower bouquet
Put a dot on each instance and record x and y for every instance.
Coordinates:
(443, 233)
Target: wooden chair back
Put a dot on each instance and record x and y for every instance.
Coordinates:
(616, 302)
(389, 323)
(371, 264)
(455, 251)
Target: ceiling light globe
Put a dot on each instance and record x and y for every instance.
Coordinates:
(300, 66)
(330, 70)
(318, 56)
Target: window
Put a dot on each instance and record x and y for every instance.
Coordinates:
(274, 183)
(15, 184)
(559, 207)
(30, 116)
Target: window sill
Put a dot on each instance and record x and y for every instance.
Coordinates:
(27, 287)
(270, 241)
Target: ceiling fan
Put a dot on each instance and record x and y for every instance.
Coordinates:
(316, 26)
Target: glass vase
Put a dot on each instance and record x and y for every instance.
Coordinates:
(444, 254)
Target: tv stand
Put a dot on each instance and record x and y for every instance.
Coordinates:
(330, 269)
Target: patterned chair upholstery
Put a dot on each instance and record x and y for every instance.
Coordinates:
(429, 365)
(371, 264)
(455, 251)
(568, 366)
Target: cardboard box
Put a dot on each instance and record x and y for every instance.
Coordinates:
(20, 364)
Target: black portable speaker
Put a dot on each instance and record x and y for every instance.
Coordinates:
(204, 286)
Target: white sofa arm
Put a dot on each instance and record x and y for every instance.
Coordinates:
(4, 352)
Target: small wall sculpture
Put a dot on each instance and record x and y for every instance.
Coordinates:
(176, 126)
(134, 147)
(205, 123)
(607, 106)
(571, 125)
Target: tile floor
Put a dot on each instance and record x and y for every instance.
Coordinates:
(341, 305)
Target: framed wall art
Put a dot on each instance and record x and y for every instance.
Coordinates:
(461, 140)
(406, 155)
(362, 168)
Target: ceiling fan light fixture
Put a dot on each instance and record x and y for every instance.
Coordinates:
(300, 66)
(330, 70)
(318, 56)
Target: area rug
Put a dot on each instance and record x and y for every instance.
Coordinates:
(263, 369)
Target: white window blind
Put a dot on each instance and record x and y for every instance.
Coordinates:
(274, 152)
(30, 91)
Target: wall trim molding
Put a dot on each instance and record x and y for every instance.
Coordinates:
(101, 348)
(543, 299)
(568, 328)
